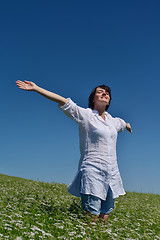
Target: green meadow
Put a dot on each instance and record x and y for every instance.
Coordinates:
(37, 210)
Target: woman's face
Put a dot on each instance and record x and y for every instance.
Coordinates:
(101, 96)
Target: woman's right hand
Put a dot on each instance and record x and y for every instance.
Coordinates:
(26, 85)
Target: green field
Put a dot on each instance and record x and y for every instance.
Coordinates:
(37, 210)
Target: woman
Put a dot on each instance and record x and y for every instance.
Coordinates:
(98, 181)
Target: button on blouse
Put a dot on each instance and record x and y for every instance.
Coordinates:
(98, 169)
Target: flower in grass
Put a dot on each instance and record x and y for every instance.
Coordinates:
(48, 234)
(72, 233)
(25, 233)
(39, 224)
(93, 223)
(62, 237)
(6, 225)
(38, 214)
(7, 228)
(79, 236)
(34, 228)
(30, 198)
(19, 224)
(109, 231)
(32, 234)
(18, 215)
(58, 225)
(114, 234)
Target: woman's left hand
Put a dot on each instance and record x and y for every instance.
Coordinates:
(128, 127)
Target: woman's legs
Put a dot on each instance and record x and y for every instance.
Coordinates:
(107, 206)
(96, 207)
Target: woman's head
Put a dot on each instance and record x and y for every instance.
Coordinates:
(97, 92)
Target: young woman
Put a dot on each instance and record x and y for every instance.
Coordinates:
(98, 181)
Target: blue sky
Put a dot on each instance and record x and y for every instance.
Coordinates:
(70, 47)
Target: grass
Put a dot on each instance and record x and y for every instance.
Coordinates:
(36, 210)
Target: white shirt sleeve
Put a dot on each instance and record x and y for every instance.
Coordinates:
(120, 124)
(76, 113)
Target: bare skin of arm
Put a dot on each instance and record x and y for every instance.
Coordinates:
(31, 86)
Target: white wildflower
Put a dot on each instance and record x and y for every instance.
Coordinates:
(6, 225)
(7, 228)
(18, 215)
(71, 233)
(48, 234)
(34, 228)
(93, 223)
(39, 224)
(59, 226)
(32, 234)
(31, 198)
(27, 212)
(109, 231)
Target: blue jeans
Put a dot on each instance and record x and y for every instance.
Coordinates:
(95, 205)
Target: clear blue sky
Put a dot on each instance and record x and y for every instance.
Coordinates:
(70, 47)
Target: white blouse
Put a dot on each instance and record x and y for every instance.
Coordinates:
(98, 169)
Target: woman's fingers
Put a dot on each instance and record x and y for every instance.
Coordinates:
(128, 127)
(22, 85)
(26, 85)
(28, 82)
(19, 83)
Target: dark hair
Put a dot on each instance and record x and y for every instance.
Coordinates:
(91, 97)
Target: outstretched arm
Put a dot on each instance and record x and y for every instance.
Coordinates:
(30, 86)
(128, 127)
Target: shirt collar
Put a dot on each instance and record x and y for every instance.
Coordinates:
(95, 112)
